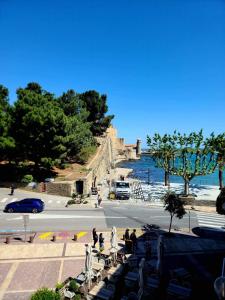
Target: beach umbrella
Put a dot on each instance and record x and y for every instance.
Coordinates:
(114, 243)
(88, 265)
(160, 252)
(141, 280)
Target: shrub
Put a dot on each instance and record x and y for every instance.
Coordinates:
(85, 153)
(27, 178)
(59, 285)
(74, 196)
(73, 287)
(77, 297)
(45, 294)
(70, 202)
(220, 201)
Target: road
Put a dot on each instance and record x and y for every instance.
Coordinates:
(57, 217)
(82, 219)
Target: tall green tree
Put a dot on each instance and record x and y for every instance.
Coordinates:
(96, 105)
(193, 158)
(6, 141)
(38, 127)
(217, 144)
(183, 155)
(163, 151)
(79, 136)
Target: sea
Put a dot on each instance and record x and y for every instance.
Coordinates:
(145, 170)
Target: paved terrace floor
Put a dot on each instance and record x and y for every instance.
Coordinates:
(25, 267)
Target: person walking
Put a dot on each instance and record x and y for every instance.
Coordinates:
(101, 242)
(127, 235)
(99, 199)
(133, 238)
(95, 237)
(12, 189)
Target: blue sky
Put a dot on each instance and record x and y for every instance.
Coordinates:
(161, 63)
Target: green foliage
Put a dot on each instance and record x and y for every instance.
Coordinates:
(45, 294)
(97, 108)
(85, 153)
(183, 155)
(70, 202)
(73, 287)
(38, 127)
(27, 178)
(7, 143)
(174, 205)
(77, 297)
(220, 201)
(59, 285)
(47, 131)
(217, 144)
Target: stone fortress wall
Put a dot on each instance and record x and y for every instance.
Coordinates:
(111, 150)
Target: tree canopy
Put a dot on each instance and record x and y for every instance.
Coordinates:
(48, 130)
(97, 107)
(183, 155)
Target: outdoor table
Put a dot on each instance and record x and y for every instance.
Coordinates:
(98, 266)
(115, 271)
(107, 257)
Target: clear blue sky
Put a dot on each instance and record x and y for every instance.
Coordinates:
(161, 62)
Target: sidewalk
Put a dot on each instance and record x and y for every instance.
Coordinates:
(25, 267)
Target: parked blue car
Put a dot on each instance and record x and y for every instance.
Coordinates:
(28, 205)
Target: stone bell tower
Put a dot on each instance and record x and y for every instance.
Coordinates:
(138, 147)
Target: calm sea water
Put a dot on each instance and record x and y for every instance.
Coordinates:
(146, 165)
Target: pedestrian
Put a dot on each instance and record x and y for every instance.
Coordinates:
(12, 189)
(101, 242)
(133, 238)
(127, 235)
(95, 237)
(99, 200)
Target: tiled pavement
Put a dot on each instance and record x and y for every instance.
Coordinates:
(25, 267)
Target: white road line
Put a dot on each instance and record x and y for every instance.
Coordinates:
(211, 218)
(13, 200)
(212, 222)
(46, 216)
(4, 200)
(58, 201)
(210, 225)
(49, 201)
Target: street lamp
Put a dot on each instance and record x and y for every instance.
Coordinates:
(219, 284)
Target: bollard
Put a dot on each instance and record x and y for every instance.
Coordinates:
(75, 237)
(31, 239)
(54, 238)
(7, 240)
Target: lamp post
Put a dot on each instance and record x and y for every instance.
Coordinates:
(219, 284)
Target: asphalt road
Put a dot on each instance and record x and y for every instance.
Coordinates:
(82, 219)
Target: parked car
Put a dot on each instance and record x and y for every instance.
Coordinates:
(27, 205)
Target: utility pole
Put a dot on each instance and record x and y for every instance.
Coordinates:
(148, 176)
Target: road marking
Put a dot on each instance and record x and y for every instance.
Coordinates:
(58, 201)
(13, 200)
(210, 220)
(8, 279)
(4, 200)
(49, 201)
(45, 235)
(80, 234)
(46, 216)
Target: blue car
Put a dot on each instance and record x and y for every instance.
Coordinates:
(28, 205)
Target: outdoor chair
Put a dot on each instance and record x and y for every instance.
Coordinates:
(175, 291)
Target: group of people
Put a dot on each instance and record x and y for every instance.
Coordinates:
(99, 239)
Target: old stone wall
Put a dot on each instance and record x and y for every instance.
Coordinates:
(64, 188)
(111, 150)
